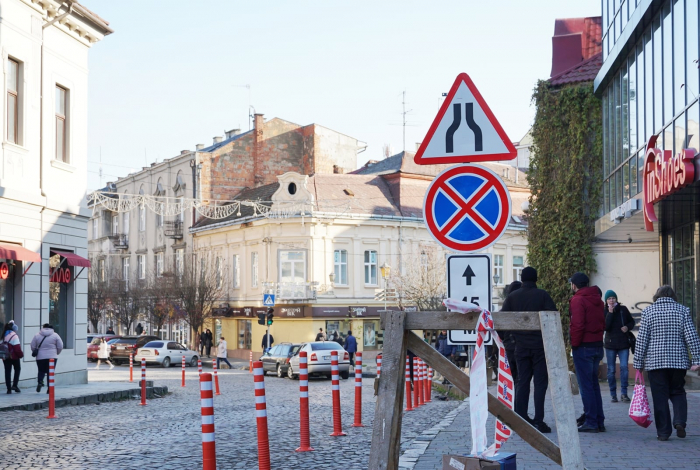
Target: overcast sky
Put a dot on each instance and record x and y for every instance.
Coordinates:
(177, 73)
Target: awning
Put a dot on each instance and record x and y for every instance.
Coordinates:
(18, 253)
(72, 259)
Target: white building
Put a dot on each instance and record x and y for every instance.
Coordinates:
(43, 174)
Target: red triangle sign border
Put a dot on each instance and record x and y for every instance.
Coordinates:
(510, 155)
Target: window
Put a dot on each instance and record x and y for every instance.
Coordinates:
(126, 223)
(498, 269)
(125, 272)
(141, 266)
(115, 225)
(219, 273)
(142, 219)
(181, 205)
(159, 264)
(101, 270)
(518, 265)
(371, 268)
(179, 261)
(95, 233)
(61, 124)
(254, 269)
(293, 266)
(340, 267)
(236, 271)
(423, 262)
(12, 101)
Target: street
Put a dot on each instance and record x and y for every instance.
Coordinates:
(167, 434)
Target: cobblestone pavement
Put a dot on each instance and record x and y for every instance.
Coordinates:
(166, 434)
(625, 445)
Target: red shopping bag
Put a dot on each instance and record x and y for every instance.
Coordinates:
(639, 408)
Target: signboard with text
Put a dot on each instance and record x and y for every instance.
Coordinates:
(469, 280)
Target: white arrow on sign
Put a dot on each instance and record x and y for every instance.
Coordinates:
(469, 280)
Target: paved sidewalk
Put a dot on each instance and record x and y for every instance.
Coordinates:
(625, 445)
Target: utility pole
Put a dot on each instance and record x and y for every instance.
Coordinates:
(404, 112)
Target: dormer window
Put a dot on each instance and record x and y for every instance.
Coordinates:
(292, 188)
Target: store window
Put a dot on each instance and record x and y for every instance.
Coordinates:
(341, 326)
(340, 267)
(60, 278)
(369, 334)
(7, 291)
(245, 334)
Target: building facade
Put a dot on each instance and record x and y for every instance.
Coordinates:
(43, 175)
(649, 85)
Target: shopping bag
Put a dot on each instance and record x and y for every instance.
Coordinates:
(639, 408)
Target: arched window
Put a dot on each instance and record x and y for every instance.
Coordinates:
(160, 192)
(142, 213)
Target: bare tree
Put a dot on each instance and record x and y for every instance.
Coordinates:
(98, 297)
(199, 284)
(423, 282)
(159, 299)
(126, 298)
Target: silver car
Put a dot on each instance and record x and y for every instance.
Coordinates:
(166, 353)
(319, 359)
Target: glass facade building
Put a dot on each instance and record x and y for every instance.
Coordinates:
(649, 85)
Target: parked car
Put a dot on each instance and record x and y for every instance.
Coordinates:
(166, 353)
(94, 345)
(277, 358)
(319, 359)
(126, 345)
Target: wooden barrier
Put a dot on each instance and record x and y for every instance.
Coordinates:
(386, 437)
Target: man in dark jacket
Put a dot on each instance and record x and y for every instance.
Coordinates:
(586, 331)
(265, 344)
(351, 347)
(529, 348)
(618, 323)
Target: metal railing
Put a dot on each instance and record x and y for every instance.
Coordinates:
(296, 290)
(120, 241)
(173, 228)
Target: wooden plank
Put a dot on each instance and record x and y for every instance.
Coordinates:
(459, 379)
(520, 321)
(386, 431)
(560, 390)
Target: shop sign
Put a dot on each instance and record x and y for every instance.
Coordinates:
(61, 275)
(4, 270)
(290, 312)
(357, 311)
(664, 174)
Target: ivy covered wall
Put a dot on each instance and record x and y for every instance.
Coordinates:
(565, 182)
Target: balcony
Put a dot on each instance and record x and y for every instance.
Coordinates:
(120, 241)
(173, 229)
(296, 291)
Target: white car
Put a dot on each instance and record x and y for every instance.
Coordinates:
(166, 353)
(319, 359)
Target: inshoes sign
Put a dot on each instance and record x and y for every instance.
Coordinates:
(664, 174)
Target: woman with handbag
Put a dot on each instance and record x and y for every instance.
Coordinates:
(46, 345)
(666, 334)
(618, 326)
(10, 337)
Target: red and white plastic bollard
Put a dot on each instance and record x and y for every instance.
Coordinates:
(143, 381)
(250, 365)
(216, 377)
(335, 386)
(304, 403)
(52, 396)
(261, 417)
(183, 371)
(421, 383)
(416, 384)
(429, 385)
(358, 391)
(409, 407)
(131, 367)
(199, 366)
(208, 434)
(379, 365)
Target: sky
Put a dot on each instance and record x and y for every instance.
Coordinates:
(177, 73)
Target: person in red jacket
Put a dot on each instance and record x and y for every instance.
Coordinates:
(586, 327)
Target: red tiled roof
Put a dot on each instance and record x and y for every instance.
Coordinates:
(585, 71)
(575, 40)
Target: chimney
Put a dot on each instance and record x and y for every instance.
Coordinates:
(338, 170)
(182, 152)
(232, 133)
(218, 139)
(199, 146)
(258, 125)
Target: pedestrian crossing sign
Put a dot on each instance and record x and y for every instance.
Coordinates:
(269, 300)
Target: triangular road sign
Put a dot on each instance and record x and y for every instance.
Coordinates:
(464, 130)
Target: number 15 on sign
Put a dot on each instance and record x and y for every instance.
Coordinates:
(469, 280)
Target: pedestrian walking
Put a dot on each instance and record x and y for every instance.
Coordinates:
(208, 341)
(110, 331)
(222, 353)
(338, 338)
(139, 329)
(529, 348)
(265, 344)
(202, 342)
(351, 347)
(618, 326)
(320, 336)
(508, 338)
(103, 354)
(11, 339)
(666, 334)
(586, 327)
(46, 344)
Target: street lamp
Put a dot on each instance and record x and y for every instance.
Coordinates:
(496, 279)
(386, 270)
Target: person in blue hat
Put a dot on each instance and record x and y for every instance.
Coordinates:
(618, 323)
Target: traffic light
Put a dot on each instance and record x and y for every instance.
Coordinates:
(270, 315)
(261, 318)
